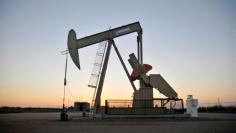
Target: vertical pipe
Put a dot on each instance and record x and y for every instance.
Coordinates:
(140, 55)
(182, 104)
(63, 106)
(161, 102)
(141, 47)
(138, 48)
(106, 107)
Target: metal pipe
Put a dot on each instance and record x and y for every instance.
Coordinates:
(138, 49)
(141, 46)
(140, 55)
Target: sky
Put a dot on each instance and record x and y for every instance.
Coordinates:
(191, 43)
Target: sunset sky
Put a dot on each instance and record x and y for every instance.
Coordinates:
(192, 44)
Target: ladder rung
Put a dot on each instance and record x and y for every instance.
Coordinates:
(95, 75)
(97, 66)
(92, 86)
(100, 54)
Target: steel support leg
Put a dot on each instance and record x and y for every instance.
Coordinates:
(101, 80)
(123, 64)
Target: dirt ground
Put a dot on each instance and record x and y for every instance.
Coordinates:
(50, 123)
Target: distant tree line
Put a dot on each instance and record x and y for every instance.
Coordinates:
(6, 109)
(208, 109)
(218, 109)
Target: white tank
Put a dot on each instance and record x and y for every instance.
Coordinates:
(192, 105)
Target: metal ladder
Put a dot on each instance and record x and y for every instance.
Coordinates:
(97, 67)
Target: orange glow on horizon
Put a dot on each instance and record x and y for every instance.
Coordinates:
(55, 100)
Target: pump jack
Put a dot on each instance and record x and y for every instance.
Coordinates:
(146, 83)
